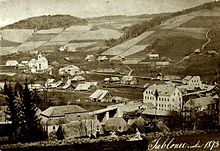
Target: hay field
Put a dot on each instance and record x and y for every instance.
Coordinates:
(78, 28)
(101, 34)
(176, 21)
(67, 36)
(17, 35)
(50, 31)
(133, 50)
(114, 51)
(79, 45)
(6, 50)
(42, 37)
(27, 46)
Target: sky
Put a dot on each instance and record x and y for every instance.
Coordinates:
(14, 10)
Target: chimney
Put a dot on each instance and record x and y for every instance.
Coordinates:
(107, 116)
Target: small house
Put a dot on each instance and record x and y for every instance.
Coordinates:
(12, 63)
(101, 96)
(153, 56)
(90, 58)
(102, 58)
(69, 69)
(192, 82)
(197, 51)
(78, 78)
(117, 124)
(128, 80)
(61, 49)
(117, 58)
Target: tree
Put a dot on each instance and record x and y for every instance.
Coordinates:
(12, 110)
(33, 131)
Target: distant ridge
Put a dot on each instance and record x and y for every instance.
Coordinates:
(47, 22)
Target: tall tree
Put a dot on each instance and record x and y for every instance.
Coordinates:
(12, 111)
(33, 129)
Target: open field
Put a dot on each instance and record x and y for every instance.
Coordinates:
(50, 31)
(28, 46)
(78, 45)
(197, 33)
(100, 34)
(176, 21)
(6, 43)
(17, 35)
(42, 37)
(67, 36)
(207, 12)
(134, 49)
(114, 51)
(6, 50)
(203, 22)
(77, 28)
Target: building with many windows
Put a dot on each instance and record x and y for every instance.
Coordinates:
(165, 98)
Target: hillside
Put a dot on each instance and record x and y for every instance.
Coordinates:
(47, 22)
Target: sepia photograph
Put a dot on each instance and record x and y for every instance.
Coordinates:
(109, 75)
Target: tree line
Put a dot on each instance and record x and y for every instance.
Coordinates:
(21, 109)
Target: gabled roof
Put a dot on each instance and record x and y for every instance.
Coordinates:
(99, 94)
(115, 124)
(200, 102)
(78, 78)
(127, 78)
(165, 90)
(59, 111)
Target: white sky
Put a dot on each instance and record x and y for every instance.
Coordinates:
(15, 10)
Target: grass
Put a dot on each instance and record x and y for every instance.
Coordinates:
(6, 43)
(43, 37)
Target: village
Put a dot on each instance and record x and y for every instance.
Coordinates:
(155, 108)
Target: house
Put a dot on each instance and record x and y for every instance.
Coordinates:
(11, 63)
(117, 58)
(78, 78)
(24, 63)
(102, 58)
(39, 64)
(117, 124)
(162, 63)
(137, 122)
(197, 51)
(82, 126)
(200, 104)
(164, 98)
(192, 82)
(112, 79)
(101, 96)
(128, 80)
(54, 116)
(35, 86)
(90, 58)
(49, 82)
(82, 87)
(69, 69)
(61, 49)
(153, 56)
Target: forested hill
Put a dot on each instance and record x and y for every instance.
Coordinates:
(47, 22)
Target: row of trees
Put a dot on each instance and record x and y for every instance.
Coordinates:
(21, 109)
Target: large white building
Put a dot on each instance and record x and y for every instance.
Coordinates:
(39, 64)
(192, 82)
(165, 98)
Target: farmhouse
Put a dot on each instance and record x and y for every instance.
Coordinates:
(153, 56)
(61, 49)
(102, 58)
(54, 116)
(41, 64)
(90, 58)
(69, 69)
(200, 104)
(128, 80)
(11, 63)
(101, 96)
(164, 97)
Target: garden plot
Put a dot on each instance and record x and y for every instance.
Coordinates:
(101, 34)
(42, 37)
(17, 35)
(50, 31)
(27, 46)
(176, 21)
(133, 50)
(114, 51)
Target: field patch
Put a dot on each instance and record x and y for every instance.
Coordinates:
(6, 50)
(78, 28)
(66, 36)
(6, 43)
(50, 31)
(176, 21)
(206, 12)
(133, 50)
(17, 35)
(27, 46)
(78, 45)
(203, 22)
(101, 34)
(114, 51)
(42, 37)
